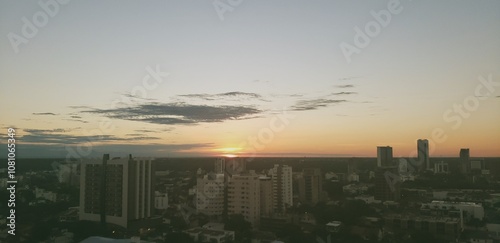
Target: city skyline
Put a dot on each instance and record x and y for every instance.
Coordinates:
(262, 80)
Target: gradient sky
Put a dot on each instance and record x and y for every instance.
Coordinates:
(229, 78)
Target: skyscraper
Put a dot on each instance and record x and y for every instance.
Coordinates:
(384, 156)
(116, 191)
(310, 186)
(464, 160)
(282, 187)
(423, 153)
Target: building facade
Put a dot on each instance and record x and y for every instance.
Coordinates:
(117, 190)
(244, 197)
(423, 153)
(311, 186)
(384, 156)
(210, 194)
(282, 187)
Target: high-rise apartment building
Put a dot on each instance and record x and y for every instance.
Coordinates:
(210, 191)
(465, 160)
(244, 196)
(310, 186)
(266, 196)
(423, 153)
(282, 187)
(384, 156)
(116, 190)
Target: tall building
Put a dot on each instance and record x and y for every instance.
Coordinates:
(116, 191)
(244, 196)
(310, 186)
(387, 184)
(465, 160)
(282, 187)
(384, 156)
(220, 166)
(210, 191)
(230, 166)
(266, 196)
(423, 153)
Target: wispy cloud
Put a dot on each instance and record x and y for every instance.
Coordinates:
(178, 113)
(313, 104)
(346, 86)
(236, 94)
(344, 93)
(60, 136)
(348, 78)
(44, 114)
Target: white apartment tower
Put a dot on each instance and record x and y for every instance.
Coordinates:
(210, 194)
(244, 196)
(282, 187)
(116, 190)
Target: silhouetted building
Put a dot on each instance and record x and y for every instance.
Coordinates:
(387, 184)
(116, 191)
(464, 160)
(423, 153)
(384, 156)
(310, 186)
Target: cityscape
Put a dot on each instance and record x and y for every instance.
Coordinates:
(233, 121)
(236, 199)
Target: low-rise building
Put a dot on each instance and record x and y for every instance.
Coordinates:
(210, 235)
(469, 209)
(441, 227)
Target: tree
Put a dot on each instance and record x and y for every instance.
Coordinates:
(178, 237)
(240, 226)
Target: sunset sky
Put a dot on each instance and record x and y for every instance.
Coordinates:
(264, 78)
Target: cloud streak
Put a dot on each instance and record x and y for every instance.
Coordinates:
(58, 136)
(313, 104)
(44, 114)
(344, 93)
(346, 86)
(178, 113)
(236, 94)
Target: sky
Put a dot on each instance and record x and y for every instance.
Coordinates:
(250, 78)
